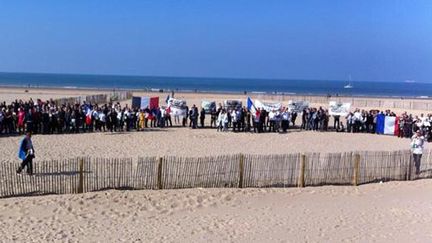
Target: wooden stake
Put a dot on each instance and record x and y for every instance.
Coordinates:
(241, 168)
(356, 169)
(301, 181)
(410, 165)
(81, 176)
(159, 178)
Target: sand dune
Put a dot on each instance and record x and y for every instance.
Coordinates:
(389, 212)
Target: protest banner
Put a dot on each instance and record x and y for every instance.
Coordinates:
(208, 106)
(297, 106)
(268, 106)
(339, 109)
(232, 104)
(177, 107)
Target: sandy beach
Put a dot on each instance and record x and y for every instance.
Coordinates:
(216, 121)
(184, 141)
(196, 143)
(388, 212)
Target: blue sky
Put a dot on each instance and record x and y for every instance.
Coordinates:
(369, 39)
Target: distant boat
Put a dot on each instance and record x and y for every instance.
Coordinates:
(349, 85)
(409, 81)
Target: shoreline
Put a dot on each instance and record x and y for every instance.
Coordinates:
(208, 92)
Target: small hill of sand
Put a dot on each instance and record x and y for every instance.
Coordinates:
(389, 212)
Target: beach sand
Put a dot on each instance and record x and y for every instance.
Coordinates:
(10, 94)
(388, 212)
(181, 141)
(196, 143)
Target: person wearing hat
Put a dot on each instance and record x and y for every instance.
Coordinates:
(417, 143)
(26, 154)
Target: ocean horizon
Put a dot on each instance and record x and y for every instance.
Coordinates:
(228, 85)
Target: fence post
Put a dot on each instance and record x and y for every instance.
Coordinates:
(409, 169)
(241, 168)
(159, 178)
(81, 176)
(301, 181)
(356, 169)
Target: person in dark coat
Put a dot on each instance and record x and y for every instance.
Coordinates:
(202, 117)
(26, 154)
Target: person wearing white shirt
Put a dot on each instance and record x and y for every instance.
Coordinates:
(285, 120)
(220, 120)
(357, 120)
(234, 119)
(417, 143)
(225, 121)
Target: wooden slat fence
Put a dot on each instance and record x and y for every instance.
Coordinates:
(80, 175)
(271, 170)
(329, 169)
(96, 98)
(218, 171)
(408, 104)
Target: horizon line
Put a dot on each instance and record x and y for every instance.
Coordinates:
(203, 77)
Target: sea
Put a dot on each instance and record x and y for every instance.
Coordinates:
(223, 85)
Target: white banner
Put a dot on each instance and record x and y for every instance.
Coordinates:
(208, 105)
(389, 125)
(232, 104)
(177, 107)
(267, 106)
(339, 109)
(297, 106)
(175, 111)
(176, 103)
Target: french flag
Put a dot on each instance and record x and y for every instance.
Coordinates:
(250, 105)
(388, 125)
(143, 102)
(88, 119)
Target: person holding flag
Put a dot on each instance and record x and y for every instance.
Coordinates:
(26, 154)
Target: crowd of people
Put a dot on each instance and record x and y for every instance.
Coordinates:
(47, 117)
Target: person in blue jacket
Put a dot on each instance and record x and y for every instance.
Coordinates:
(26, 154)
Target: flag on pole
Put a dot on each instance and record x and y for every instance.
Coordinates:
(144, 102)
(388, 125)
(250, 105)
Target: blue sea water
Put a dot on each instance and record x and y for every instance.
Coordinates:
(303, 87)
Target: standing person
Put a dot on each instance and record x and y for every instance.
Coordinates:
(26, 154)
(21, 120)
(193, 116)
(102, 120)
(141, 121)
(168, 120)
(225, 119)
(220, 121)
(417, 143)
(213, 116)
(234, 119)
(248, 118)
(257, 121)
(185, 115)
(285, 120)
(202, 117)
(1, 119)
(401, 126)
(293, 117)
